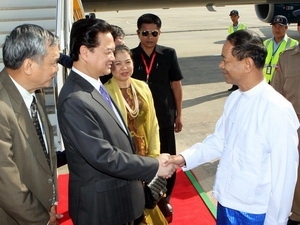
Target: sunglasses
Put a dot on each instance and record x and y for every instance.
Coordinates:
(145, 33)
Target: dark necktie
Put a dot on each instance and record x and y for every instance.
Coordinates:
(36, 123)
(105, 95)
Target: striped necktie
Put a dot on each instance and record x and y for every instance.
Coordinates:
(107, 98)
(36, 123)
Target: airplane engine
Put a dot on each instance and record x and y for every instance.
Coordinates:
(266, 12)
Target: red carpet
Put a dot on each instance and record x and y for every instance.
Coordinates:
(187, 205)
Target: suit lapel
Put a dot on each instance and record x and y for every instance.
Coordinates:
(28, 130)
(86, 86)
(99, 99)
(24, 120)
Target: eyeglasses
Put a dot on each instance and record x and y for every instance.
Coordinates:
(145, 33)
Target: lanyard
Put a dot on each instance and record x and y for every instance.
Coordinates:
(274, 52)
(148, 69)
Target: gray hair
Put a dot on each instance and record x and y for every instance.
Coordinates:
(27, 41)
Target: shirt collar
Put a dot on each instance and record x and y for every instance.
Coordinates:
(26, 95)
(95, 83)
(255, 90)
(296, 50)
(157, 48)
(283, 39)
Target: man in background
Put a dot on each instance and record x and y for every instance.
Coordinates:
(118, 35)
(286, 81)
(158, 66)
(276, 45)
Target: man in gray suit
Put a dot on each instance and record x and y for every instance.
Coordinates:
(28, 178)
(105, 175)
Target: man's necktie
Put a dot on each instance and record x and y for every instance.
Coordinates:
(36, 123)
(107, 98)
(105, 95)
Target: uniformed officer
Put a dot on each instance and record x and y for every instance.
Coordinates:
(276, 45)
(289, 88)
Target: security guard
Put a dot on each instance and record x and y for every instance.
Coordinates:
(289, 88)
(276, 45)
(234, 16)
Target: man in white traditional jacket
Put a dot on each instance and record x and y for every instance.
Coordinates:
(255, 138)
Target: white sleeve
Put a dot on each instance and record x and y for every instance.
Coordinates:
(206, 151)
(284, 166)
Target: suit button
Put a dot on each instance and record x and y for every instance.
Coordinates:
(50, 181)
(50, 200)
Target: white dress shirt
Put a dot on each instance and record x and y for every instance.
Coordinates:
(96, 84)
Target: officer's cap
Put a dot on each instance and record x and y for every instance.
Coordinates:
(233, 12)
(296, 14)
(279, 19)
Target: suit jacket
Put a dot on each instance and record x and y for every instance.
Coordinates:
(105, 175)
(27, 183)
(65, 60)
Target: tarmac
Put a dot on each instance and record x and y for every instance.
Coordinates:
(198, 36)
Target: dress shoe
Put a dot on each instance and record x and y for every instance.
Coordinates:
(233, 88)
(292, 222)
(166, 209)
(169, 217)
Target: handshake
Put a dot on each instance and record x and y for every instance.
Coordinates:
(168, 164)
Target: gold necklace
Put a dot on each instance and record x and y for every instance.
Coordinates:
(133, 112)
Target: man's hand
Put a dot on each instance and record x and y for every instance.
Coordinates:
(178, 124)
(53, 216)
(176, 160)
(165, 170)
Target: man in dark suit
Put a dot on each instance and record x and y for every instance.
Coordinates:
(105, 175)
(28, 178)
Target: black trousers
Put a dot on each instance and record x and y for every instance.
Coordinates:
(136, 221)
(168, 145)
(129, 223)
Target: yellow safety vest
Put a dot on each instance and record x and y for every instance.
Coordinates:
(240, 27)
(273, 55)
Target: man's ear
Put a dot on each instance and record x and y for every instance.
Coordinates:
(84, 52)
(28, 66)
(249, 63)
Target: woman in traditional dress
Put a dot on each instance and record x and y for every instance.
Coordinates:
(134, 100)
